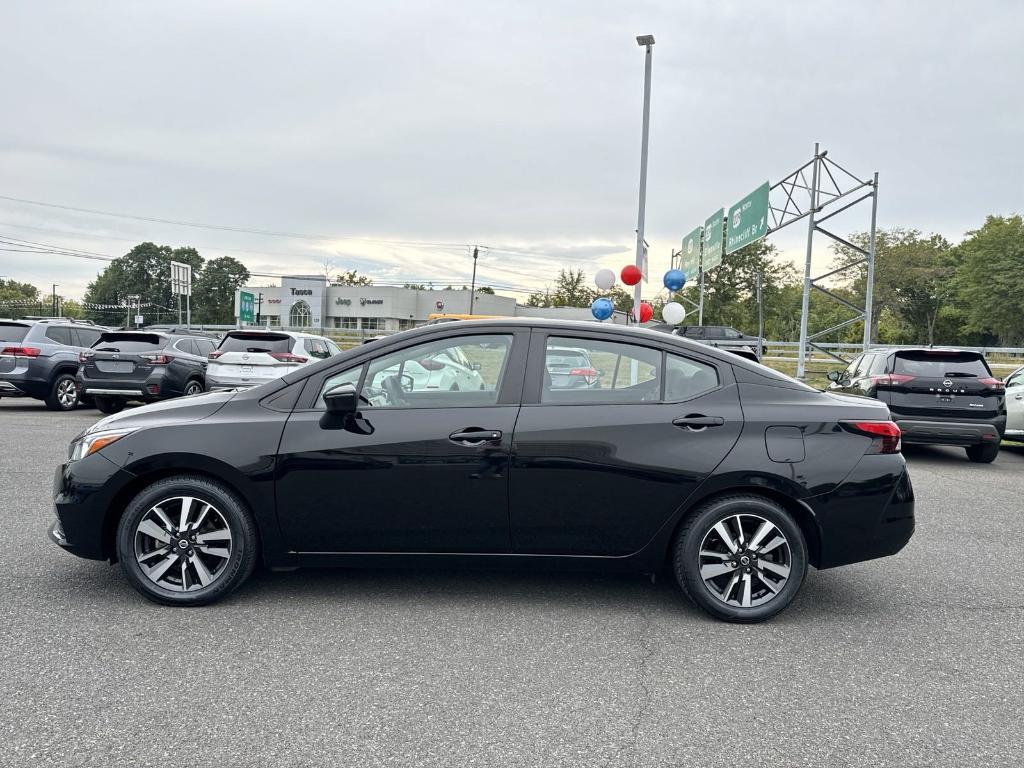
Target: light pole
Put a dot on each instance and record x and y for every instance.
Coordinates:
(472, 285)
(647, 42)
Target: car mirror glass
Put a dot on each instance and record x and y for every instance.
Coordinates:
(833, 376)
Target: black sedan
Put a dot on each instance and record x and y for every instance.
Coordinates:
(731, 475)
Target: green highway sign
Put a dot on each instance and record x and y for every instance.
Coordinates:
(689, 256)
(713, 240)
(748, 220)
(246, 307)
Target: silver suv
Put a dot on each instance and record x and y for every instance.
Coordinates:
(39, 358)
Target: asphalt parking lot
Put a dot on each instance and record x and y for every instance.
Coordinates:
(911, 660)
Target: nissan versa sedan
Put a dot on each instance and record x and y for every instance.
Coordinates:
(732, 476)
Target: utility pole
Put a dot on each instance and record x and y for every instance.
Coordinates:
(259, 308)
(472, 286)
(646, 42)
(53, 301)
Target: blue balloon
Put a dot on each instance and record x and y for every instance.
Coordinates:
(602, 309)
(674, 279)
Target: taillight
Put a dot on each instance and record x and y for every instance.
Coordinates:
(156, 358)
(287, 357)
(589, 372)
(885, 435)
(20, 351)
(889, 379)
(431, 365)
(991, 383)
(215, 354)
(83, 357)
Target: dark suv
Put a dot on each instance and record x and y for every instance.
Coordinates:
(143, 365)
(937, 396)
(38, 358)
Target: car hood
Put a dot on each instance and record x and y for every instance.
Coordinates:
(177, 411)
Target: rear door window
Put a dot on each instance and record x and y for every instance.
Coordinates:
(940, 365)
(60, 335)
(621, 373)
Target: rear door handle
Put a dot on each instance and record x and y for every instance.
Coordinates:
(696, 422)
(476, 436)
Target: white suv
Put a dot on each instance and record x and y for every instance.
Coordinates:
(249, 358)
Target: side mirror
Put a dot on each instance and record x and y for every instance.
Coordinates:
(341, 399)
(834, 376)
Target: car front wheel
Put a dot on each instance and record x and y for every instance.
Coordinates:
(186, 540)
(741, 558)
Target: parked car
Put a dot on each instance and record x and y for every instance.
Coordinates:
(721, 336)
(937, 396)
(1014, 384)
(142, 365)
(571, 368)
(446, 369)
(665, 468)
(39, 358)
(251, 357)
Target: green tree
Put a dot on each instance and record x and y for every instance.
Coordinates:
(144, 271)
(571, 289)
(990, 279)
(352, 277)
(213, 294)
(13, 298)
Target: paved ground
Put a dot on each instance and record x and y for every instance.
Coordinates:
(908, 661)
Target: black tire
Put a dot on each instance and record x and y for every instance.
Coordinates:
(686, 557)
(243, 544)
(59, 398)
(192, 387)
(105, 404)
(983, 454)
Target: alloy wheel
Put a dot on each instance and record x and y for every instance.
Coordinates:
(67, 393)
(745, 560)
(183, 543)
(193, 388)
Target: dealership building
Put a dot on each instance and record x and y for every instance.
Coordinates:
(307, 301)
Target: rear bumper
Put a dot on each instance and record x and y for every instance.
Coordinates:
(870, 515)
(130, 389)
(22, 384)
(215, 382)
(950, 432)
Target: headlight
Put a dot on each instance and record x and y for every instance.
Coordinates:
(86, 445)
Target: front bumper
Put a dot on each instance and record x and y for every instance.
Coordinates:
(949, 432)
(83, 493)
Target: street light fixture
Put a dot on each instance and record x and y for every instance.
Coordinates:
(645, 39)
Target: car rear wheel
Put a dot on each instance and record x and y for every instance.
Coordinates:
(193, 387)
(983, 454)
(108, 405)
(186, 540)
(741, 558)
(63, 395)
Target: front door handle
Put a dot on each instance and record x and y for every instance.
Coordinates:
(474, 436)
(696, 422)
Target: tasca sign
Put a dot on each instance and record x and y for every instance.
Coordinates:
(747, 221)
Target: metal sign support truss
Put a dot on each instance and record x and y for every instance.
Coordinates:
(793, 199)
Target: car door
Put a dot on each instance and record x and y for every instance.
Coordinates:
(599, 470)
(416, 470)
(1015, 402)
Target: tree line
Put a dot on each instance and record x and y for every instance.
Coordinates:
(926, 290)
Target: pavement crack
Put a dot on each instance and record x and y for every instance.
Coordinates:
(645, 645)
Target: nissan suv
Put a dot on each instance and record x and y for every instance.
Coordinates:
(39, 358)
(937, 396)
(143, 365)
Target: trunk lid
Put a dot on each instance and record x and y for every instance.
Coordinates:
(254, 355)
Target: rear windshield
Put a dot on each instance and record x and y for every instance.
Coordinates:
(12, 332)
(939, 365)
(256, 342)
(129, 342)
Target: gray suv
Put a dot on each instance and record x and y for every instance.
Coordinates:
(39, 358)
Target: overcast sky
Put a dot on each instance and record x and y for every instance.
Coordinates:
(511, 125)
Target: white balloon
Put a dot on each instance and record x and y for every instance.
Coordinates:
(604, 279)
(673, 313)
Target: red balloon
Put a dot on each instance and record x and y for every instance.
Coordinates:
(646, 312)
(631, 274)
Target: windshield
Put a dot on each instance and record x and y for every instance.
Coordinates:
(12, 332)
(937, 365)
(256, 342)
